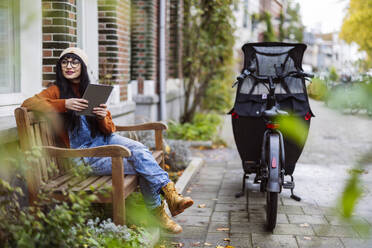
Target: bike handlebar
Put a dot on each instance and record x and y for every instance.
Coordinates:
(247, 73)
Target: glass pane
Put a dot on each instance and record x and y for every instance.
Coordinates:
(8, 15)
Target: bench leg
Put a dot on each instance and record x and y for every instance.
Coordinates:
(118, 199)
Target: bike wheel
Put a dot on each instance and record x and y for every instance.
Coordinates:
(274, 166)
(271, 209)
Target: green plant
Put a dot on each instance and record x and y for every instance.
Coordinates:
(207, 53)
(318, 89)
(333, 76)
(51, 223)
(202, 127)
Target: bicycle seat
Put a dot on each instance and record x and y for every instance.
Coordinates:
(274, 112)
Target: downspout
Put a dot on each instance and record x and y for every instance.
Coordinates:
(162, 61)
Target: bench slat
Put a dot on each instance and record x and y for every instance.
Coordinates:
(86, 183)
(42, 161)
(56, 182)
(69, 184)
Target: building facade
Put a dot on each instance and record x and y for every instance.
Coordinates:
(121, 39)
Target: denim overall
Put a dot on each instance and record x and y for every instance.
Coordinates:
(141, 162)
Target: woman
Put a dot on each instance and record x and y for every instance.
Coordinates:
(85, 131)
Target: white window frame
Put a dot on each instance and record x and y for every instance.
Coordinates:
(87, 34)
(30, 53)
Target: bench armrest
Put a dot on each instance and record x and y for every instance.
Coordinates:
(99, 151)
(143, 127)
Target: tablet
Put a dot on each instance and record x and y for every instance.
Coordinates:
(96, 94)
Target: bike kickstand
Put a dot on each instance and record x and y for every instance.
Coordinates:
(293, 196)
(240, 194)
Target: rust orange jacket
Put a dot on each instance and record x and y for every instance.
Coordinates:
(49, 101)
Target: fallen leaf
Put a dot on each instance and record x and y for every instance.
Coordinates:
(304, 225)
(226, 239)
(167, 149)
(201, 206)
(219, 246)
(229, 246)
(207, 244)
(188, 191)
(307, 238)
(222, 229)
(196, 244)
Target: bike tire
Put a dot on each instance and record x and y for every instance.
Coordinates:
(271, 210)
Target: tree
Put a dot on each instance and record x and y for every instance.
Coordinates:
(208, 51)
(357, 26)
(269, 34)
(293, 21)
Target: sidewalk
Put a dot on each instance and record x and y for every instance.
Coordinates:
(218, 218)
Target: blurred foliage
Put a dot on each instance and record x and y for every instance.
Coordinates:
(202, 127)
(269, 34)
(294, 128)
(52, 223)
(208, 42)
(333, 76)
(318, 89)
(352, 97)
(293, 21)
(357, 25)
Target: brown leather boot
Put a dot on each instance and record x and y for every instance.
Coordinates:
(176, 202)
(165, 221)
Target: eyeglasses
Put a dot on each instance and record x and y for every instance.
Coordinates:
(73, 63)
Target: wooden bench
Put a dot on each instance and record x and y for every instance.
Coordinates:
(35, 130)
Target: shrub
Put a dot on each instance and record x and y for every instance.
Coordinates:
(318, 89)
(202, 127)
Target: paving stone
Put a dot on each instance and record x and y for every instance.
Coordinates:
(334, 231)
(231, 199)
(216, 239)
(185, 220)
(293, 229)
(270, 241)
(213, 226)
(256, 208)
(201, 195)
(287, 209)
(257, 200)
(230, 207)
(314, 210)
(195, 211)
(319, 242)
(241, 216)
(204, 189)
(241, 242)
(190, 242)
(242, 229)
(208, 203)
(359, 243)
(228, 192)
(336, 220)
(310, 219)
(286, 200)
(189, 232)
(261, 218)
(220, 217)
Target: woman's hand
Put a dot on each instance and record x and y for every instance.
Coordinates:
(100, 111)
(76, 104)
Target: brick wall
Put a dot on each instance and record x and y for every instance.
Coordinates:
(175, 39)
(144, 37)
(59, 32)
(114, 42)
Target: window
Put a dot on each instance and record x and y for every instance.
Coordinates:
(9, 47)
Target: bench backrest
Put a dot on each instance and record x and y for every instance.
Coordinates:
(35, 130)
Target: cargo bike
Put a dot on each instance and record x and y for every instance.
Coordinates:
(271, 86)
